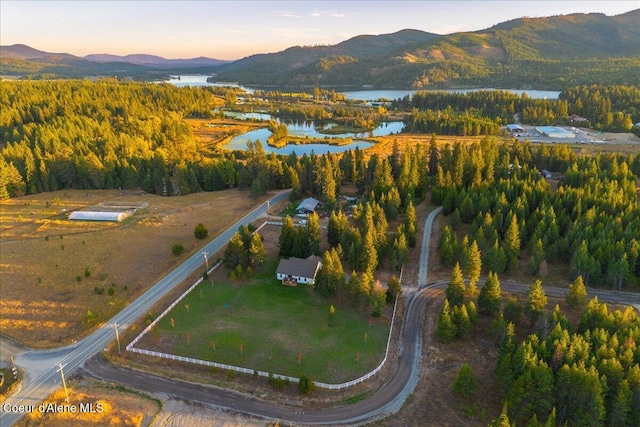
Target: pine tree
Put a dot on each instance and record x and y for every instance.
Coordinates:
(495, 259)
(465, 383)
(473, 268)
(490, 297)
(313, 234)
(410, 224)
(446, 329)
(577, 294)
(503, 419)
(456, 289)
(536, 301)
(512, 243)
(234, 253)
(337, 227)
(287, 237)
(257, 252)
(462, 320)
(537, 256)
(393, 289)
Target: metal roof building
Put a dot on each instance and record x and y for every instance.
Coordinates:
(555, 132)
(111, 216)
(307, 206)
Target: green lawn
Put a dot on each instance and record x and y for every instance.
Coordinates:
(281, 330)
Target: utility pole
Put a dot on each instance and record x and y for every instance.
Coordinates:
(206, 260)
(64, 383)
(115, 328)
(268, 203)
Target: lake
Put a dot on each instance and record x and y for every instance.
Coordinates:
(373, 95)
(367, 94)
(308, 129)
(240, 143)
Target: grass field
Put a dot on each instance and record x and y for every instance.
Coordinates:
(262, 325)
(118, 407)
(57, 274)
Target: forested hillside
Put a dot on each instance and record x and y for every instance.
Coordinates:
(546, 53)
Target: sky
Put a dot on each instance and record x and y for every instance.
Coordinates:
(231, 30)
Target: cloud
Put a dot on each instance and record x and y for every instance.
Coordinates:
(286, 13)
(327, 13)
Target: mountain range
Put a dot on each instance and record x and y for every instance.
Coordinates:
(548, 52)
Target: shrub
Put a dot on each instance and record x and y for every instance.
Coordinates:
(200, 231)
(177, 249)
(306, 386)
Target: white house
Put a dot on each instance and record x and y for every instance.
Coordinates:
(298, 270)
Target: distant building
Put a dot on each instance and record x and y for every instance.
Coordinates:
(307, 206)
(515, 128)
(577, 119)
(555, 132)
(298, 270)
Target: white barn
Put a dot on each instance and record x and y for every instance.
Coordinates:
(111, 216)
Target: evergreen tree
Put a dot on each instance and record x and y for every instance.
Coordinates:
(579, 396)
(400, 251)
(462, 320)
(537, 256)
(577, 294)
(410, 224)
(234, 254)
(337, 227)
(456, 289)
(536, 301)
(490, 297)
(503, 419)
(465, 383)
(324, 280)
(257, 252)
(446, 329)
(512, 243)
(287, 237)
(313, 234)
(473, 268)
(393, 289)
(495, 259)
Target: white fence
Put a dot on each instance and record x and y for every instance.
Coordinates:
(130, 347)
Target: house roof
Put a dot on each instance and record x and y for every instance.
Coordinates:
(299, 267)
(308, 204)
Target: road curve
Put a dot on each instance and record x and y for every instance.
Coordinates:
(40, 367)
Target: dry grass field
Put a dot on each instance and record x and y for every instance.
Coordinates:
(60, 278)
(116, 407)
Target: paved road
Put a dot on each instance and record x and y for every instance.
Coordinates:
(40, 366)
